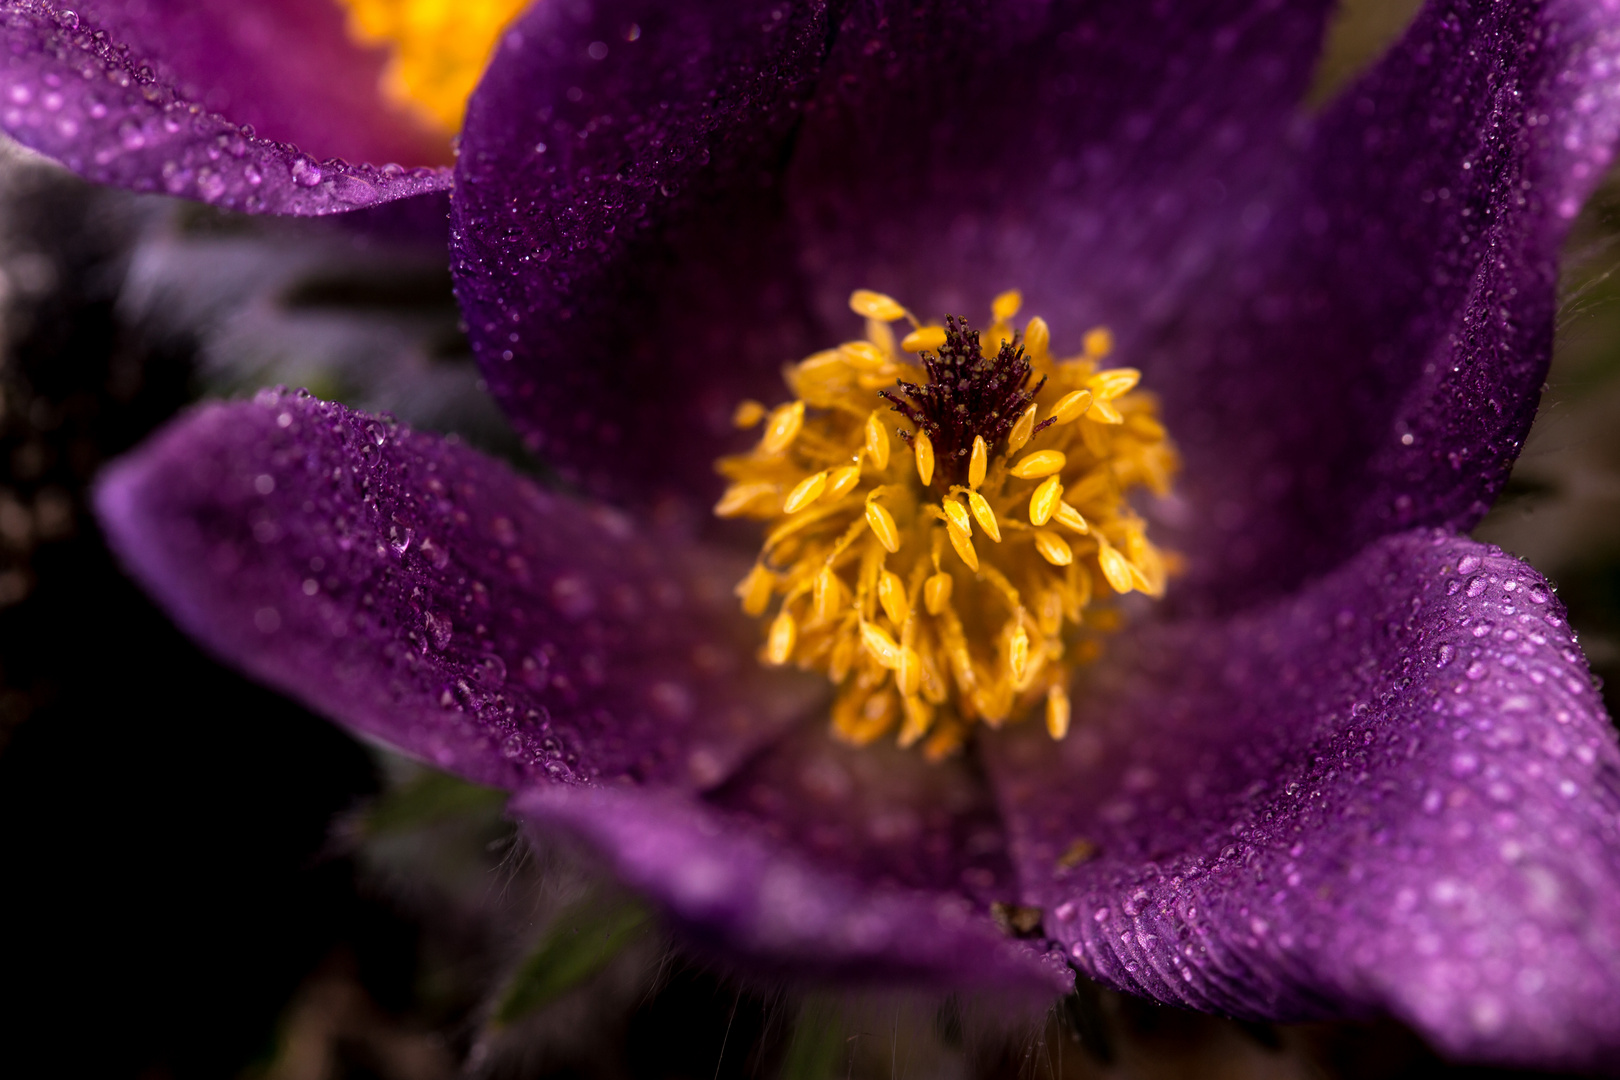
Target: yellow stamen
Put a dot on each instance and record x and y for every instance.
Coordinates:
(1040, 463)
(979, 462)
(869, 575)
(747, 414)
(1099, 343)
(875, 305)
(438, 49)
(1006, 305)
(924, 448)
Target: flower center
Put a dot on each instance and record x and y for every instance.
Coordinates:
(439, 49)
(955, 578)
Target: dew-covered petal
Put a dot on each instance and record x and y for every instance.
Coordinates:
(1396, 791)
(747, 897)
(427, 596)
(1369, 356)
(149, 111)
(618, 229)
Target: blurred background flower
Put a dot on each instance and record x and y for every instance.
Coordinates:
(203, 880)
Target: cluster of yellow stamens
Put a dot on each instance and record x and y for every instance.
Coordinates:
(438, 50)
(943, 585)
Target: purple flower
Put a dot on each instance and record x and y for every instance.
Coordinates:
(1354, 764)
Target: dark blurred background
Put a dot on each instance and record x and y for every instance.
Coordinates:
(200, 879)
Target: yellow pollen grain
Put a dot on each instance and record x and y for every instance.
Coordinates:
(1070, 517)
(779, 644)
(881, 522)
(875, 305)
(1053, 548)
(923, 446)
(1006, 305)
(1099, 343)
(1045, 500)
(884, 649)
(784, 427)
(978, 462)
(877, 441)
(963, 543)
(1018, 437)
(437, 50)
(1072, 406)
(1040, 463)
(805, 492)
(924, 339)
(857, 579)
(984, 515)
(1057, 712)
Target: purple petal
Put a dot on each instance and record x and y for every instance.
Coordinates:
(1395, 792)
(621, 251)
(427, 596)
(98, 107)
(1374, 362)
(749, 897)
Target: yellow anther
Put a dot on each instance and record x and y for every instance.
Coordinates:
(805, 492)
(1053, 548)
(1110, 384)
(924, 339)
(919, 718)
(1072, 406)
(1037, 338)
(877, 441)
(923, 446)
(956, 514)
(883, 527)
(1049, 612)
(875, 305)
(842, 658)
(1021, 431)
(1057, 712)
(1099, 342)
(1040, 463)
(892, 595)
(1114, 567)
(984, 515)
(841, 482)
(1018, 653)
(828, 594)
(884, 649)
(1045, 500)
(908, 676)
(755, 590)
(936, 593)
(1103, 412)
(963, 543)
(741, 498)
(1006, 305)
(783, 636)
(978, 462)
(863, 355)
(747, 414)
(1069, 516)
(785, 423)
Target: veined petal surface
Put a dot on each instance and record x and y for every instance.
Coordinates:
(116, 114)
(1396, 791)
(427, 596)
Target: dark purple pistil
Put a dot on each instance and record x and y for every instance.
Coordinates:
(967, 395)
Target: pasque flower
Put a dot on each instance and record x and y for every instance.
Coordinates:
(1353, 761)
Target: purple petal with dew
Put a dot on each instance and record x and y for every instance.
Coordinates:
(1396, 791)
(71, 93)
(289, 68)
(620, 242)
(1368, 357)
(427, 596)
(751, 899)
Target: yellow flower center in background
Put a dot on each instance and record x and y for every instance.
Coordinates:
(951, 575)
(439, 49)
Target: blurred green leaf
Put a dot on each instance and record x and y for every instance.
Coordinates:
(428, 799)
(580, 942)
(818, 1041)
